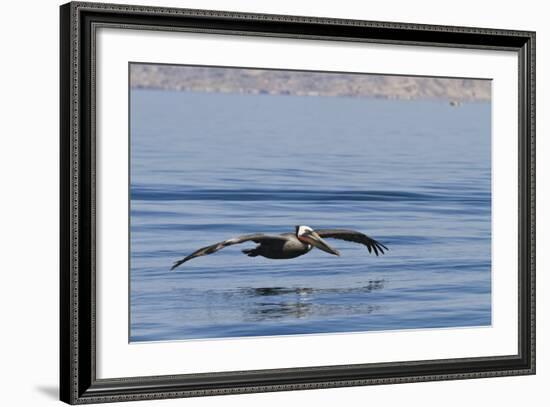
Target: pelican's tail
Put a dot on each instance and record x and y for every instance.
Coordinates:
(250, 252)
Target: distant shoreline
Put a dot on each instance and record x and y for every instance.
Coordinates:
(302, 83)
(452, 102)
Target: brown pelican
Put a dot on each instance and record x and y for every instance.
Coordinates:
(290, 245)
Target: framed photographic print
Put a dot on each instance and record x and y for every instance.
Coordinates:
(255, 203)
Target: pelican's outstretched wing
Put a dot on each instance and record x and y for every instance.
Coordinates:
(353, 236)
(257, 238)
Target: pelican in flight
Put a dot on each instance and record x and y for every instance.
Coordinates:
(290, 245)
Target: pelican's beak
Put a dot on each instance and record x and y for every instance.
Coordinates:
(319, 243)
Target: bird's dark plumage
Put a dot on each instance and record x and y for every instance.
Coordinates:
(256, 238)
(353, 236)
(290, 245)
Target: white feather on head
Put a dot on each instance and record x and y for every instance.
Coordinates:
(302, 229)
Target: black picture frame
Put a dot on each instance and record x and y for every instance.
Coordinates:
(78, 382)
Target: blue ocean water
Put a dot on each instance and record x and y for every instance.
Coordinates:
(415, 175)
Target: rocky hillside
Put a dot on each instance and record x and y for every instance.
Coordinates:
(279, 82)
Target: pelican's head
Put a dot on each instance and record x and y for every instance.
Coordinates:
(308, 236)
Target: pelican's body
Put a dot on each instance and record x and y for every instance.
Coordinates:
(290, 245)
(287, 248)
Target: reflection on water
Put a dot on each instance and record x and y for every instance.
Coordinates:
(267, 311)
(415, 175)
(301, 302)
(302, 309)
(305, 291)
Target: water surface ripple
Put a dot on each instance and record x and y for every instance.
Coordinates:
(206, 167)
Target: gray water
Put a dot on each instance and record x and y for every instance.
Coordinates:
(415, 175)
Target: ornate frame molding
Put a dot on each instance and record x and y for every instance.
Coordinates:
(79, 21)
